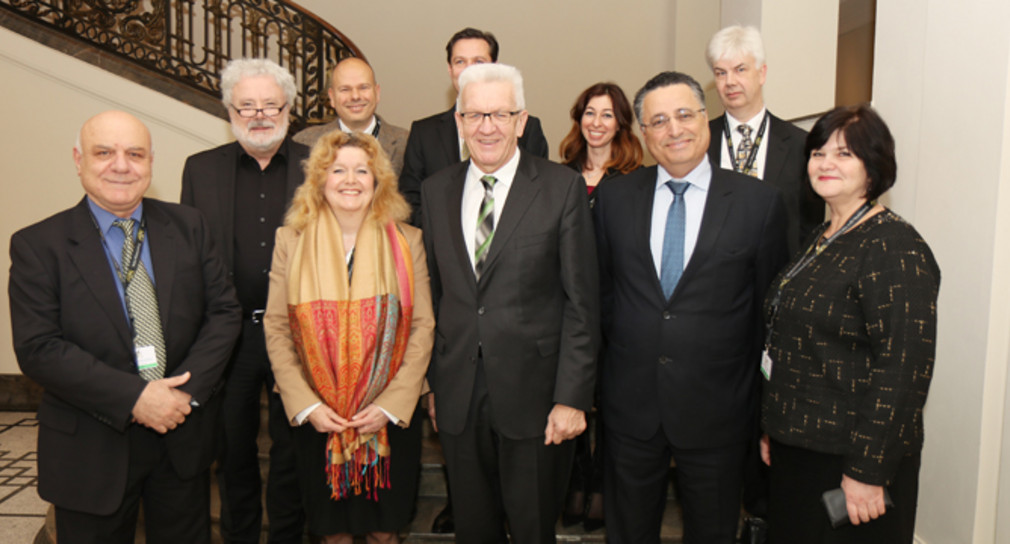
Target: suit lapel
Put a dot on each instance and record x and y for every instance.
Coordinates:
(645, 196)
(717, 206)
(450, 136)
(296, 154)
(715, 127)
(453, 199)
(778, 148)
(226, 195)
(524, 188)
(164, 248)
(89, 256)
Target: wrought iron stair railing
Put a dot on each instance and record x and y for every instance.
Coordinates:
(180, 46)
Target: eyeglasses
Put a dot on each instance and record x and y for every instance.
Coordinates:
(682, 116)
(496, 117)
(269, 111)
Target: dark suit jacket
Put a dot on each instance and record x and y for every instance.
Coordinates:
(785, 169)
(208, 184)
(433, 145)
(688, 364)
(72, 337)
(535, 312)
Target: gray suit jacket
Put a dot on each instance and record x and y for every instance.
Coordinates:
(534, 314)
(392, 138)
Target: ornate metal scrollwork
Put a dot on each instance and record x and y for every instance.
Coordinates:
(190, 41)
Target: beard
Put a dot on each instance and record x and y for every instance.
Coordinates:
(257, 141)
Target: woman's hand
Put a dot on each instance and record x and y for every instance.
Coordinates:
(325, 420)
(766, 450)
(865, 502)
(369, 420)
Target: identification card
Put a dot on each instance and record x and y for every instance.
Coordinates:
(146, 357)
(766, 365)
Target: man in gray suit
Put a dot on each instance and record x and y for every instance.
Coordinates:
(355, 95)
(514, 282)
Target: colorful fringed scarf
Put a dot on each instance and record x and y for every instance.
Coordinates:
(351, 336)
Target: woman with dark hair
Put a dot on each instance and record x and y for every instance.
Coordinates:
(849, 352)
(349, 329)
(601, 144)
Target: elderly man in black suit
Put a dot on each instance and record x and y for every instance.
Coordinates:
(686, 252)
(513, 279)
(122, 311)
(244, 189)
(749, 139)
(434, 142)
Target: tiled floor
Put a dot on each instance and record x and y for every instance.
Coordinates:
(22, 512)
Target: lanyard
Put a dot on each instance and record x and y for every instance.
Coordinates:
(809, 255)
(749, 165)
(125, 277)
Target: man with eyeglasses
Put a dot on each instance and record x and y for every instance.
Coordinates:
(686, 252)
(434, 142)
(513, 278)
(354, 94)
(244, 189)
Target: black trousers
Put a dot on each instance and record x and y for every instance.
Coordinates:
(175, 510)
(636, 476)
(494, 479)
(238, 475)
(795, 514)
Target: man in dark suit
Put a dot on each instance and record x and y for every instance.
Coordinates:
(434, 142)
(354, 94)
(686, 252)
(244, 188)
(513, 278)
(129, 408)
(757, 143)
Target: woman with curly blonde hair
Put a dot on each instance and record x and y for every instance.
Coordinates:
(349, 330)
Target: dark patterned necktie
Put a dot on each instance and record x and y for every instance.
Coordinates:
(743, 150)
(142, 304)
(485, 225)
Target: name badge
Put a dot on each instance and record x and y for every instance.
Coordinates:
(147, 357)
(766, 365)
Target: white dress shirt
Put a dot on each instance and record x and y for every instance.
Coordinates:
(473, 196)
(368, 130)
(694, 206)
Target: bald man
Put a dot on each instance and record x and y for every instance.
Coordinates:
(130, 351)
(354, 94)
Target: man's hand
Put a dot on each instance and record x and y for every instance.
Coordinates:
(431, 411)
(161, 406)
(369, 420)
(865, 502)
(325, 420)
(564, 423)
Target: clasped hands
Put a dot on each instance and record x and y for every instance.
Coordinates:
(161, 406)
(369, 420)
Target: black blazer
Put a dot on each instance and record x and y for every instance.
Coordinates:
(785, 169)
(690, 363)
(433, 144)
(534, 315)
(208, 184)
(71, 336)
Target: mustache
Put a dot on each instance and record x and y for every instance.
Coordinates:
(261, 123)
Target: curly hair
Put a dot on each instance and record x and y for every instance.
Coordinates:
(387, 202)
(625, 151)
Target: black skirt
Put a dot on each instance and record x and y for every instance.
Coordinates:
(359, 514)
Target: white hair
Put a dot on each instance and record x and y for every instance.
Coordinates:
(491, 72)
(735, 41)
(238, 69)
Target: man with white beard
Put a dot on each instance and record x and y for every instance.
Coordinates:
(244, 189)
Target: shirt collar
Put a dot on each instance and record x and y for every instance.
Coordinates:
(105, 218)
(753, 122)
(700, 177)
(504, 175)
(368, 130)
(281, 152)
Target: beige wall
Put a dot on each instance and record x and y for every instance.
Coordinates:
(954, 186)
(47, 96)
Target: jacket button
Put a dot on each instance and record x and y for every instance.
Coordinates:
(666, 315)
(480, 311)
(663, 359)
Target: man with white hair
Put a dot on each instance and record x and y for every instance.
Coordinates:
(749, 139)
(514, 281)
(244, 189)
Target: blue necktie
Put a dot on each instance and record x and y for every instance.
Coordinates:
(673, 239)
